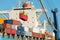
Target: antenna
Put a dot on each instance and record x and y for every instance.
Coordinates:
(18, 3)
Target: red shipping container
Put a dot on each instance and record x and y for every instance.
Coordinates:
(13, 31)
(6, 25)
(15, 22)
(8, 30)
(42, 36)
(23, 17)
(37, 35)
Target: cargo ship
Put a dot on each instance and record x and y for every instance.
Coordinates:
(22, 24)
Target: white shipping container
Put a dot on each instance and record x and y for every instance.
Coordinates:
(14, 27)
(28, 33)
(26, 29)
(36, 29)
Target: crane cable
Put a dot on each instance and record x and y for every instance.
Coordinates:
(49, 21)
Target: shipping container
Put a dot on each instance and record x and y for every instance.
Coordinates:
(23, 17)
(36, 29)
(7, 25)
(13, 31)
(20, 28)
(15, 22)
(8, 21)
(14, 27)
(8, 30)
(37, 35)
(18, 32)
(42, 35)
(26, 29)
(1, 20)
(28, 34)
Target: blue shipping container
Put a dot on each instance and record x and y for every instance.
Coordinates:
(18, 32)
(20, 28)
(8, 21)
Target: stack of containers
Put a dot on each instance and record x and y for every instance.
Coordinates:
(36, 31)
(11, 26)
(27, 32)
(42, 36)
(7, 25)
(15, 24)
(20, 30)
(8, 28)
(2, 22)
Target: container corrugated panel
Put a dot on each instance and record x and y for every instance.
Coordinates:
(7, 25)
(28, 33)
(26, 29)
(20, 28)
(1, 20)
(23, 17)
(15, 22)
(18, 32)
(36, 29)
(8, 21)
(13, 31)
(14, 27)
(35, 34)
(8, 30)
(42, 36)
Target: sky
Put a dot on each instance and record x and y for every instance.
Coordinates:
(49, 4)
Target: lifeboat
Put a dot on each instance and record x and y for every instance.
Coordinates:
(23, 16)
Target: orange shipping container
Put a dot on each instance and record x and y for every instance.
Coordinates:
(42, 36)
(2, 20)
(37, 35)
(6, 25)
(15, 22)
(8, 30)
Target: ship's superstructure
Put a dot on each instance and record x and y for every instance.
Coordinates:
(23, 22)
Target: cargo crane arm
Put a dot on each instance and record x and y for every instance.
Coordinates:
(48, 18)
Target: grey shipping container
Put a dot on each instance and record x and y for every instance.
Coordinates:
(28, 33)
